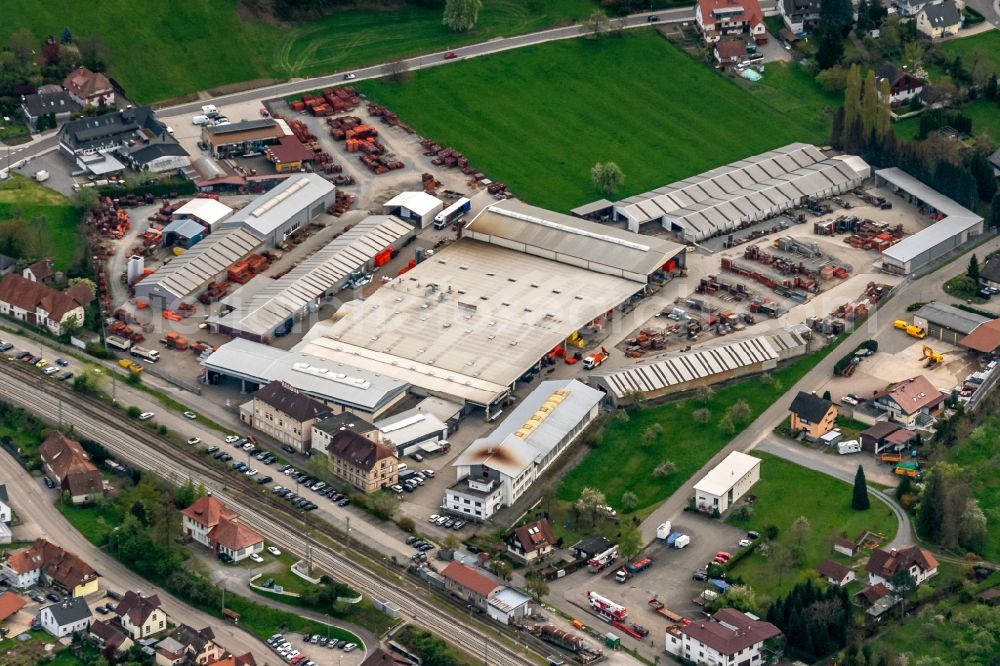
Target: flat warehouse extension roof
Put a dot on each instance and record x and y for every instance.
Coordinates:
(191, 270)
(722, 477)
(320, 378)
(571, 240)
(468, 321)
(261, 313)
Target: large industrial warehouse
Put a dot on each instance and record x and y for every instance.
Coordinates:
(191, 272)
(272, 310)
(750, 190)
(344, 386)
(956, 226)
(684, 371)
(468, 322)
(294, 203)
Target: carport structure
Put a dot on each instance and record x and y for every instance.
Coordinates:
(747, 191)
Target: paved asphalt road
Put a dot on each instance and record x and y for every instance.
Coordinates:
(50, 141)
(34, 504)
(925, 289)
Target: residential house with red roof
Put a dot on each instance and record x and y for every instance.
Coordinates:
(883, 565)
(529, 542)
(65, 460)
(141, 616)
(836, 574)
(730, 18)
(40, 305)
(238, 660)
(486, 592)
(46, 563)
(186, 645)
(728, 637)
(87, 87)
(40, 271)
(214, 526)
(110, 638)
(10, 604)
(912, 402)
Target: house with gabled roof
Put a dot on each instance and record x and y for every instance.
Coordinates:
(46, 563)
(66, 617)
(40, 305)
(812, 415)
(529, 542)
(110, 638)
(911, 402)
(65, 460)
(836, 574)
(209, 522)
(284, 413)
(727, 637)
(89, 88)
(939, 19)
(141, 616)
(883, 565)
(730, 18)
(903, 86)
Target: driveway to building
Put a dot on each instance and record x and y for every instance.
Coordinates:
(34, 504)
(923, 289)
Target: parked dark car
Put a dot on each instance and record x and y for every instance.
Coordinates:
(49, 483)
(225, 558)
(53, 597)
(287, 449)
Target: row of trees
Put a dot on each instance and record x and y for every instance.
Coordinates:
(815, 621)
(947, 513)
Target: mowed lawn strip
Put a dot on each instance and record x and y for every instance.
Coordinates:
(538, 118)
(60, 235)
(624, 460)
(986, 44)
(785, 492)
(161, 50)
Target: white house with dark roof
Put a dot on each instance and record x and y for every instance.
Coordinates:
(66, 617)
(939, 19)
(727, 637)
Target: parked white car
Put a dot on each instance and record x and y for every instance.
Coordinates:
(145, 416)
(274, 551)
(256, 558)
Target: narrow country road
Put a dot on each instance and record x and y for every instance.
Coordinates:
(34, 504)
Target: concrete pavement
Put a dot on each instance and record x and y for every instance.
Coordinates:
(34, 504)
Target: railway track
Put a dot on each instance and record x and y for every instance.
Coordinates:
(260, 510)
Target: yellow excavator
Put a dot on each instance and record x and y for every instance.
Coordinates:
(932, 357)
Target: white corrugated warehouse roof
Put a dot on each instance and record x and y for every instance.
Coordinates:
(957, 218)
(467, 322)
(187, 273)
(722, 477)
(320, 378)
(420, 203)
(207, 210)
(269, 211)
(571, 240)
(689, 366)
(268, 308)
(410, 426)
(537, 425)
(747, 190)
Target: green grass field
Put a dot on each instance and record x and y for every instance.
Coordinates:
(538, 118)
(59, 235)
(161, 50)
(985, 117)
(785, 492)
(986, 44)
(684, 442)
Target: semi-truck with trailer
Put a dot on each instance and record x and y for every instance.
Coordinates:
(150, 355)
(632, 568)
(452, 212)
(119, 343)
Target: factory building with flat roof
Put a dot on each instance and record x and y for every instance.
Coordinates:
(466, 323)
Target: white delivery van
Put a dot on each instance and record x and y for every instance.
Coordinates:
(209, 110)
(199, 120)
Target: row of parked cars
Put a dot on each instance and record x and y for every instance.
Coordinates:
(287, 651)
(446, 522)
(56, 367)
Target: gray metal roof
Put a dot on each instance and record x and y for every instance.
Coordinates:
(957, 220)
(320, 378)
(263, 312)
(269, 211)
(537, 425)
(70, 611)
(683, 367)
(571, 240)
(192, 270)
(951, 317)
(242, 126)
(746, 190)
(184, 227)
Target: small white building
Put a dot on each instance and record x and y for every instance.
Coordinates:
(416, 207)
(6, 514)
(508, 605)
(728, 637)
(66, 617)
(727, 482)
(406, 431)
(208, 211)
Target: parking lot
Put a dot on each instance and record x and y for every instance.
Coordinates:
(669, 579)
(313, 649)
